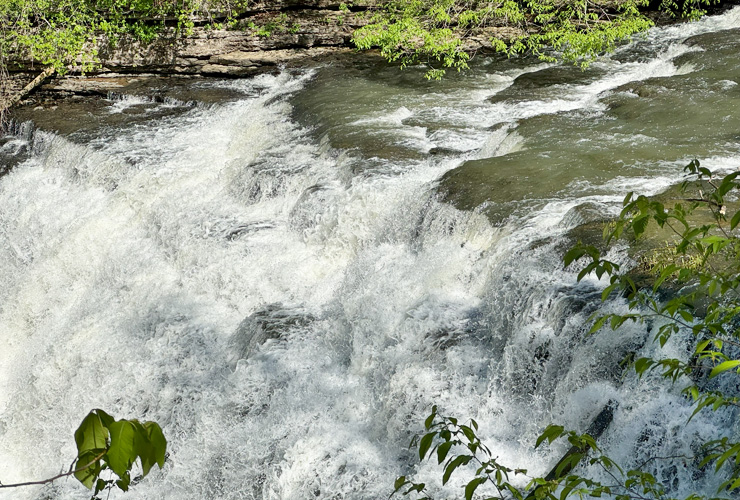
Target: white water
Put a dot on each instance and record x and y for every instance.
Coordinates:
(130, 260)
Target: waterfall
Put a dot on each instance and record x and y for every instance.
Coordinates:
(289, 279)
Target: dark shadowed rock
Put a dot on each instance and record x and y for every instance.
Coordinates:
(273, 322)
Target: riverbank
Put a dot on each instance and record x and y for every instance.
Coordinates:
(268, 34)
(263, 37)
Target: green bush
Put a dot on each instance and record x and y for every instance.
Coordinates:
(433, 32)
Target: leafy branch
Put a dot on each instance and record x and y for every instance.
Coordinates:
(58, 476)
(457, 446)
(434, 32)
(106, 444)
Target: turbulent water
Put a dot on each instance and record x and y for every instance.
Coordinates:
(287, 279)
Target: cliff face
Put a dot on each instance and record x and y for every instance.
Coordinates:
(269, 33)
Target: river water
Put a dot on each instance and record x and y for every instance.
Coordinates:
(288, 273)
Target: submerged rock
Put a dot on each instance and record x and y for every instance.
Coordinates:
(584, 213)
(15, 147)
(273, 322)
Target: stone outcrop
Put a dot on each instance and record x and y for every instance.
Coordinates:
(260, 41)
(268, 34)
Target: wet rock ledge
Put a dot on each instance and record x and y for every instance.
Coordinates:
(270, 33)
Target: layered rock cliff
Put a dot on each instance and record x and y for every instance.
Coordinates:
(264, 35)
(269, 33)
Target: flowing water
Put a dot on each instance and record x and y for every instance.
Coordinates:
(289, 276)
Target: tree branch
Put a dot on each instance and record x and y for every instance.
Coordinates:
(58, 476)
(12, 101)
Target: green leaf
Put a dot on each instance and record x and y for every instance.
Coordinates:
(454, 464)
(573, 254)
(104, 417)
(154, 449)
(665, 273)
(443, 450)
(123, 450)
(91, 434)
(425, 444)
(729, 453)
(598, 324)
(100, 485)
(472, 485)
(586, 271)
(726, 186)
(89, 471)
(735, 220)
(686, 315)
(124, 482)
(429, 420)
(418, 487)
(608, 290)
(640, 223)
(735, 484)
(642, 364)
(567, 465)
(468, 432)
(724, 366)
(551, 433)
(513, 490)
(400, 482)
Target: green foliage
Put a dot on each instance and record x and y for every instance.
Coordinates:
(414, 31)
(63, 33)
(278, 24)
(108, 449)
(708, 307)
(709, 269)
(706, 235)
(106, 444)
(433, 32)
(457, 447)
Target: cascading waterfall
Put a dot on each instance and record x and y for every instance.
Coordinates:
(287, 280)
